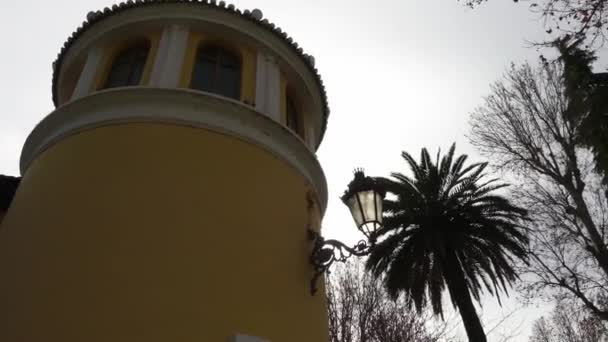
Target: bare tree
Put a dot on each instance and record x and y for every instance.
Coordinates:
(576, 18)
(569, 323)
(360, 310)
(524, 130)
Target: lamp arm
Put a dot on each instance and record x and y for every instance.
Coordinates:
(360, 249)
(326, 252)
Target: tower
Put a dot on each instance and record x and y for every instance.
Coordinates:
(168, 195)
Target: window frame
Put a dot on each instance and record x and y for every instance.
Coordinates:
(135, 57)
(291, 102)
(221, 58)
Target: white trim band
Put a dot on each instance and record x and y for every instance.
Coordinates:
(179, 107)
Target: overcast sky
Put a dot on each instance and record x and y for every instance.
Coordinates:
(400, 75)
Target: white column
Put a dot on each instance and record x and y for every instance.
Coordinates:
(161, 56)
(260, 83)
(169, 57)
(86, 80)
(268, 87)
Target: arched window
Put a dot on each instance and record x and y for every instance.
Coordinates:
(293, 116)
(128, 66)
(217, 71)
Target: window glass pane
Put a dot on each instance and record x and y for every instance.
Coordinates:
(210, 54)
(118, 75)
(217, 71)
(127, 68)
(292, 116)
(137, 70)
(141, 53)
(228, 59)
(203, 75)
(228, 82)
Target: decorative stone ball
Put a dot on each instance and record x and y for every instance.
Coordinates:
(91, 15)
(257, 14)
(311, 60)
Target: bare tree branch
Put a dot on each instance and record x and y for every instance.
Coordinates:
(524, 130)
(576, 18)
(360, 310)
(569, 323)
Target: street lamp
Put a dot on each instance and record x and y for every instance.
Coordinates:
(364, 200)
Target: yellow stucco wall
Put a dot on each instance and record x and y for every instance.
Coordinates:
(150, 232)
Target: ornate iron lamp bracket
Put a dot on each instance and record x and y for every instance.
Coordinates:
(326, 252)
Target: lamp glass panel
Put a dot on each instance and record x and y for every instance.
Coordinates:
(378, 216)
(368, 228)
(366, 209)
(355, 210)
(369, 205)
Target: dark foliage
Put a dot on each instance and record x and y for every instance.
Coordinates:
(587, 94)
(445, 227)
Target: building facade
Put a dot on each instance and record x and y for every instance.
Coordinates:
(169, 194)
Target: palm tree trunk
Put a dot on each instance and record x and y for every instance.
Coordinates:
(460, 294)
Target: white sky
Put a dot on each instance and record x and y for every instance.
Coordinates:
(400, 75)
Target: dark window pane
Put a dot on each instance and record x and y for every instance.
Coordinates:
(211, 54)
(217, 71)
(128, 67)
(227, 59)
(228, 82)
(118, 75)
(137, 70)
(203, 75)
(292, 116)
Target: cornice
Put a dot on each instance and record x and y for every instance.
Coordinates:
(182, 107)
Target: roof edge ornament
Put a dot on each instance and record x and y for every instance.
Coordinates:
(91, 16)
(257, 14)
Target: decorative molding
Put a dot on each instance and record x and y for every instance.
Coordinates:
(177, 107)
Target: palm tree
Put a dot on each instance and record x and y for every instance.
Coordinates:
(445, 227)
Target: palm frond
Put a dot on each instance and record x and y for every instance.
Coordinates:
(444, 208)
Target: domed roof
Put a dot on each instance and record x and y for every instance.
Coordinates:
(254, 16)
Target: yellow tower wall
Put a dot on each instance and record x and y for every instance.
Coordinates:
(158, 232)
